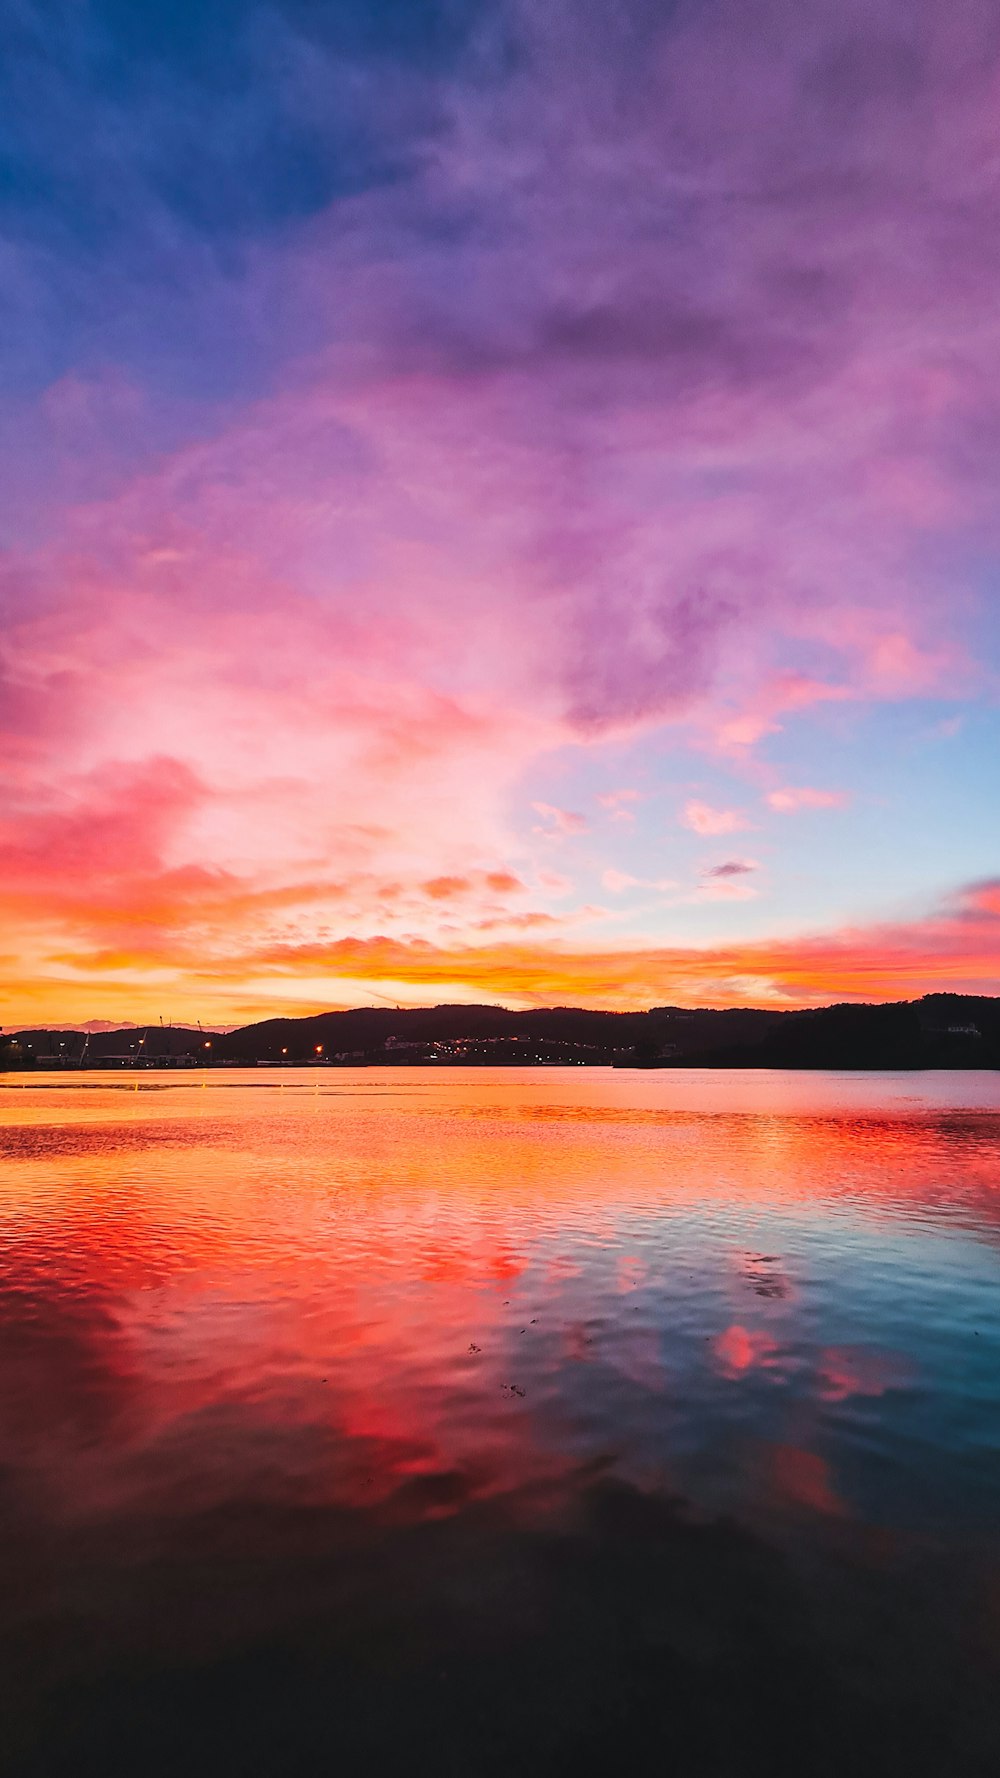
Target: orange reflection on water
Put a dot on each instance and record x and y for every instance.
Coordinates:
(737, 1350)
(337, 1289)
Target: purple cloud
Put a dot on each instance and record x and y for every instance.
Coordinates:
(733, 867)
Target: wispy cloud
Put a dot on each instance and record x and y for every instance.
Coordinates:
(725, 889)
(733, 867)
(618, 881)
(702, 818)
(791, 798)
(560, 820)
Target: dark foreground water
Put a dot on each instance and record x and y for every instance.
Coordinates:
(562, 1422)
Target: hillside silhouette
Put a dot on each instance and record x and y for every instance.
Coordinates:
(938, 1031)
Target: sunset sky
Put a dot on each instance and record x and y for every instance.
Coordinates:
(500, 502)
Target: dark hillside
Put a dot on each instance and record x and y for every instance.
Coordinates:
(940, 1031)
(593, 1035)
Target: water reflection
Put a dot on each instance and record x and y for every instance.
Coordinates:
(491, 1420)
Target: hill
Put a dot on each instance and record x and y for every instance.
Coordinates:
(46, 1048)
(492, 1034)
(939, 1031)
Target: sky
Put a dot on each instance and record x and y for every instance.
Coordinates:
(499, 504)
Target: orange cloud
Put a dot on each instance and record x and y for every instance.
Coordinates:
(443, 888)
(955, 947)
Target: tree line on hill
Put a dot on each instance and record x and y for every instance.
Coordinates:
(939, 1031)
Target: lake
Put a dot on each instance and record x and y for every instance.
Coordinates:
(563, 1421)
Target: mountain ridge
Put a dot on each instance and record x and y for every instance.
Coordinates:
(939, 1030)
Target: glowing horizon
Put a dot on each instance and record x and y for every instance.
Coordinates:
(501, 506)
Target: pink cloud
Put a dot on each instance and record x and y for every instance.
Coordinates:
(979, 900)
(616, 802)
(561, 820)
(782, 694)
(724, 889)
(704, 819)
(744, 731)
(555, 882)
(618, 881)
(791, 798)
(612, 798)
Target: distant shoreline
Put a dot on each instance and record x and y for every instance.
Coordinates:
(941, 1031)
(689, 1066)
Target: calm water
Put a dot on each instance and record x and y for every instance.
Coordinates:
(484, 1422)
